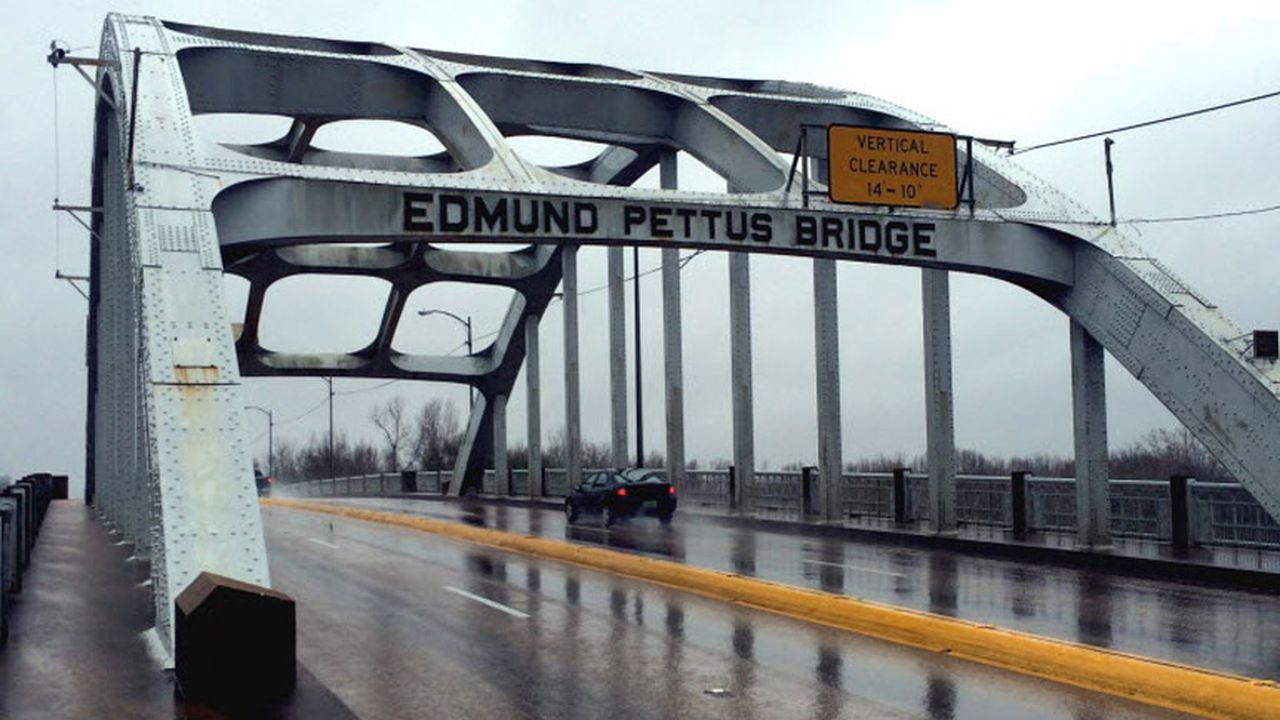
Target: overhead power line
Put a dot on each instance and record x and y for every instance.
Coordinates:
(1209, 216)
(1157, 121)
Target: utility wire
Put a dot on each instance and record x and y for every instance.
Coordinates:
(1135, 126)
(1209, 216)
(298, 417)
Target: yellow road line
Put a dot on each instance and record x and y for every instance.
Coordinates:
(1155, 682)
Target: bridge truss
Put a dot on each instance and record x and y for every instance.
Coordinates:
(168, 461)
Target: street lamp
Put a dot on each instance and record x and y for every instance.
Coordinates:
(329, 381)
(271, 442)
(471, 397)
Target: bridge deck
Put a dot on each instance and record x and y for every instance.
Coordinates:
(1221, 628)
(392, 624)
(389, 618)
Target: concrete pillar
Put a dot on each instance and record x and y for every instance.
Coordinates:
(533, 391)
(501, 470)
(1089, 404)
(617, 357)
(740, 371)
(672, 341)
(935, 287)
(826, 339)
(572, 392)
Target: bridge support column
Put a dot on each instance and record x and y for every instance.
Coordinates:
(740, 350)
(935, 288)
(572, 392)
(618, 357)
(533, 399)
(1089, 402)
(826, 336)
(501, 471)
(672, 341)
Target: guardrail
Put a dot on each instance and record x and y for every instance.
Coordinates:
(1180, 510)
(22, 508)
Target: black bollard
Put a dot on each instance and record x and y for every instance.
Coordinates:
(1018, 493)
(900, 515)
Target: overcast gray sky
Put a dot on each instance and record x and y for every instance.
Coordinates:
(996, 69)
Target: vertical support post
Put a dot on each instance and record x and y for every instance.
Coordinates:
(900, 516)
(533, 392)
(572, 391)
(740, 350)
(672, 339)
(733, 488)
(935, 289)
(1018, 496)
(826, 340)
(826, 337)
(617, 358)
(1089, 402)
(635, 269)
(1111, 187)
(807, 475)
(501, 470)
(1180, 513)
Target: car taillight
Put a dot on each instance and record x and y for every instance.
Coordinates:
(671, 489)
(269, 480)
(622, 492)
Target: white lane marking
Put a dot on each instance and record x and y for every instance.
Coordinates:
(852, 567)
(321, 542)
(486, 601)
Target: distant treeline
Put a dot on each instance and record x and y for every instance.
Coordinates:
(430, 439)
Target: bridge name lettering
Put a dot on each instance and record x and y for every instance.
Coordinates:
(531, 218)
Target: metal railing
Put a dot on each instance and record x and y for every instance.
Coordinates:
(23, 504)
(1218, 513)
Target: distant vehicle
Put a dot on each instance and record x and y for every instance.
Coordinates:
(263, 482)
(615, 495)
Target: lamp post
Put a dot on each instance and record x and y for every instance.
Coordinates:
(271, 442)
(471, 391)
(329, 382)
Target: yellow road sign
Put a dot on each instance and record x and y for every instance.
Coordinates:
(874, 166)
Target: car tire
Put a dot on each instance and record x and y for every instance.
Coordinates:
(570, 511)
(608, 517)
(665, 518)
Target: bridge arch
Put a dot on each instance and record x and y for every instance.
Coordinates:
(166, 441)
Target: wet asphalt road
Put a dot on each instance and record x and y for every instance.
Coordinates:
(1224, 629)
(399, 623)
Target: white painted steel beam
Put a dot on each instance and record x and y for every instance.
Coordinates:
(617, 358)
(939, 412)
(1089, 410)
(740, 378)
(533, 402)
(501, 468)
(572, 391)
(672, 340)
(826, 338)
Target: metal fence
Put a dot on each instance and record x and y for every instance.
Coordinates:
(1220, 514)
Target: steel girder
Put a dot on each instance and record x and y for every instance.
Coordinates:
(166, 445)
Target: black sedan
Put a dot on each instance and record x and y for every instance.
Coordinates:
(615, 495)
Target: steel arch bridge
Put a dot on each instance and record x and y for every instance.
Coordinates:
(167, 456)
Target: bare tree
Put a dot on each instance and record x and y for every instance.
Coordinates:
(395, 425)
(436, 437)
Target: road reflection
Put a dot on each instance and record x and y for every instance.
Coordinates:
(940, 696)
(1093, 609)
